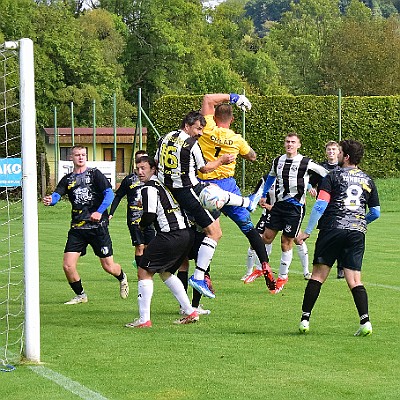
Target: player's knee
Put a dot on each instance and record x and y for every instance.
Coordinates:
(68, 268)
(214, 231)
(216, 235)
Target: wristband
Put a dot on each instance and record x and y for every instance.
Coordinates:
(233, 98)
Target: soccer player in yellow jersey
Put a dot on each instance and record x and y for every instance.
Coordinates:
(219, 139)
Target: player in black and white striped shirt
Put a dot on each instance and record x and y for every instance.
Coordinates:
(291, 174)
(166, 252)
(179, 158)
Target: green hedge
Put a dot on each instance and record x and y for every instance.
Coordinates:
(374, 121)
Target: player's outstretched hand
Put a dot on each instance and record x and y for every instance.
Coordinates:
(243, 103)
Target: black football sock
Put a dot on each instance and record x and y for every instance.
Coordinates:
(361, 301)
(77, 287)
(183, 277)
(120, 277)
(257, 245)
(311, 294)
(196, 298)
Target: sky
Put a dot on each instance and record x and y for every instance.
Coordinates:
(209, 3)
(212, 3)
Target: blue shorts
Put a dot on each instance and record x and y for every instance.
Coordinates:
(239, 215)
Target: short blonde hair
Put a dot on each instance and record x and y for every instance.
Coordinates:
(332, 143)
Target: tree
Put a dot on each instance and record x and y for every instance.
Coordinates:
(260, 71)
(78, 60)
(233, 38)
(296, 43)
(164, 46)
(213, 76)
(362, 57)
(263, 11)
(15, 20)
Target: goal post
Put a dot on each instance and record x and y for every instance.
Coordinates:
(29, 200)
(19, 244)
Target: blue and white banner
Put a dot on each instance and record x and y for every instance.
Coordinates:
(10, 172)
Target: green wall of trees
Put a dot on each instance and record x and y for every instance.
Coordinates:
(374, 121)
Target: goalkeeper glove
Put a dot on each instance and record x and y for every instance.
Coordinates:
(240, 100)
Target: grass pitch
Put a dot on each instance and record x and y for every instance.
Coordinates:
(247, 348)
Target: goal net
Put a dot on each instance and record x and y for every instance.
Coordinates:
(19, 293)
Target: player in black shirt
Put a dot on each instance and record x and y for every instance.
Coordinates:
(130, 187)
(331, 162)
(90, 194)
(340, 210)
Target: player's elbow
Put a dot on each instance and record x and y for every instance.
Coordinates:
(250, 156)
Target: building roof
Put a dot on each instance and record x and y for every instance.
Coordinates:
(85, 135)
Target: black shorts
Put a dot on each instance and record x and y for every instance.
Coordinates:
(343, 245)
(138, 237)
(167, 251)
(265, 217)
(99, 238)
(286, 217)
(188, 199)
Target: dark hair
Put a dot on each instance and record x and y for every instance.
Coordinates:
(223, 112)
(354, 149)
(293, 134)
(147, 159)
(139, 154)
(191, 118)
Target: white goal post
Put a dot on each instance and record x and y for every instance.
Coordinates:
(29, 200)
(26, 114)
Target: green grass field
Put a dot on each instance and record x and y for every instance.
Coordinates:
(248, 348)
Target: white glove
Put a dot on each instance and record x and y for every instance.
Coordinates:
(243, 103)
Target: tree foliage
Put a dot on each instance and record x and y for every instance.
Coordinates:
(363, 57)
(262, 47)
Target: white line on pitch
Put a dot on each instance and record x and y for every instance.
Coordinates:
(68, 384)
(379, 285)
(383, 286)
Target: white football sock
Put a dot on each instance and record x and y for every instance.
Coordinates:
(236, 200)
(286, 259)
(204, 257)
(175, 285)
(302, 251)
(251, 260)
(268, 249)
(145, 293)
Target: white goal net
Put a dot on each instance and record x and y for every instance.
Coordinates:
(19, 301)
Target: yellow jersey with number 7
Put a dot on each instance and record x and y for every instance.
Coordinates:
(217, 141)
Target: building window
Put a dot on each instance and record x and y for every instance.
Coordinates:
(64, 153)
